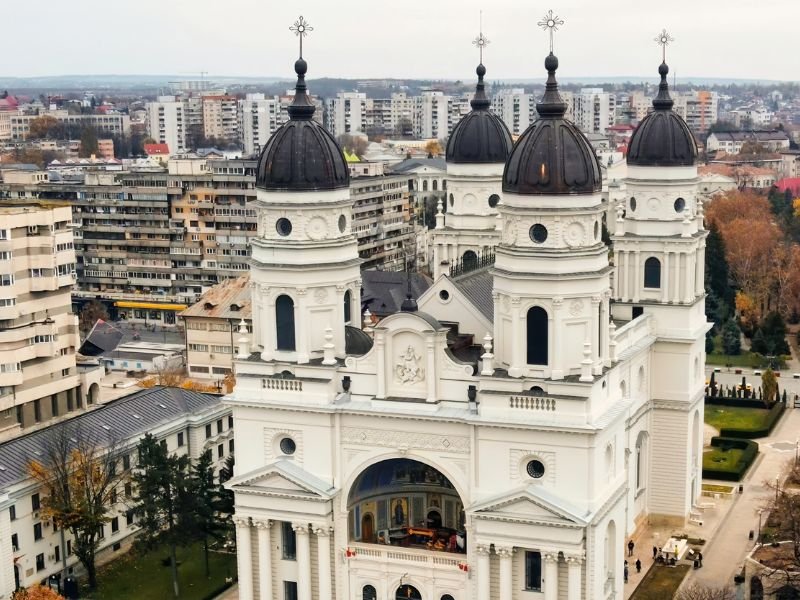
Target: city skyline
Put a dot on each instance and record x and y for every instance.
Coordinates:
(434, 39)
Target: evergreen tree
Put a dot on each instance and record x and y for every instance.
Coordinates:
(717, 271)
(163, 500)
(208, 521)
(88, 142)
(731, 338)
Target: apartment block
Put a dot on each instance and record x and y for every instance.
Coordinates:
(259, 118)
(347, 113)
(39, 379)
(700, 109)
(166, 122)
(32, 549)
(516, 108)
(221, 117)
(115, 124)
(595, 110)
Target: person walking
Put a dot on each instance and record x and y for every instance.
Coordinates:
(638, 566)
(700, 559)
(655, 552)
(625, 572)
(631, 545)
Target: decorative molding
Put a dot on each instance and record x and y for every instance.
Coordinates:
(300, 528)
(263, 524)
(519, 457)
(407, 369)
(320, 295)
(504, 552)
(241, 522)
(405, 440)
(483, 549)
(576, 307)
(270, 441)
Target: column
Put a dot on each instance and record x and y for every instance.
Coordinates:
(264, 560)
(596, 336)
(676, 292)
(324, 557)
(430, 352)
(244, 558)
(688, 278)
(484, 574)
(574, 576)
(303, 562)
(515, 367)
(700, 262)
(506, 583)
(638, 277)
(665, 278)
(550, 577)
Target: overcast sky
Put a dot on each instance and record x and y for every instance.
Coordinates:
(403, 38)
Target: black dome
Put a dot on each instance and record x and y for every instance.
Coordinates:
(552, 156)
(301, 155)
(480, 136)
(662, 139)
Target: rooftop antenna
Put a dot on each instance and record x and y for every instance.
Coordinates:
(301, 29)
(551, 23)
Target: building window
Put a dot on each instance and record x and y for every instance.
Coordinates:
(230, 446)
(652, 273)
(115, 525)
(469, 261)
(230, 421)
(37, 532)
(368, 592)
(129, 517)
(69, 547)
(36, 503)
(40, 562)
(180, 439)
(54, 405)
(208, 431)
(219, 425)
(289, 590)
(284, 323)
(37, 410)
(289, 541)
(57, 552)
(220, 450)
(128, 490)
(12, 512)
(126, 462)
(14, 542)
(533, 571)
(537, 336)
(347, 298)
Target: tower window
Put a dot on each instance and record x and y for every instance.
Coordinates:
(368, 592)
(633, 204)
(652, 273)
(284, 322)
(347, 298)
(452, 199)
(680, 204)
(537, 336)
(538, 233)
(283, 226)
(494, 200)
(469, 261)
(342, 223)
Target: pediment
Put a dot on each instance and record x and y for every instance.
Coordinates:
(282, 479)
(529, 505)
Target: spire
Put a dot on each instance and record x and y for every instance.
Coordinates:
(480, 101)
(301, 107)
(551, 105)
(663, 101)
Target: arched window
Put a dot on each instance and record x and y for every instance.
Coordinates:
(447, 597)
(424, 185)
(537, 336)
(347, 298)
(284, 322)
(368, 592)
(470, 261)
(652, 273)
(435, 185)
(407, 592)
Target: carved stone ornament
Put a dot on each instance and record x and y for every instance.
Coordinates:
(317, 228)
(574, 234)
(408, 369)
(320, 295)
(407, 440)
(576, 307)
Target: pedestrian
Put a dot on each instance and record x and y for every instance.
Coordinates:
(700, 558)
(638, 566)
(655, 552)
(625, 573)
(630, 548)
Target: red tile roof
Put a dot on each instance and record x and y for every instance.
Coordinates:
(156, 149)
(789, 183)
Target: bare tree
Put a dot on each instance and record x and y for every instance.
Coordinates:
(696, 591)
(79, 475)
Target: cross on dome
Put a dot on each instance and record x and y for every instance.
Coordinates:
(663, 39)
(301, 29)
(551, 22)
(481, 41)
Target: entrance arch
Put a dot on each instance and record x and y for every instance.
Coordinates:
(407, 592)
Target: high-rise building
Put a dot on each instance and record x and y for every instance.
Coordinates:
(432, 114)
(347, 113)
(700, 109)
(167, 122)
(259, 118)
(595, 110)
(516, 108)
(221, 117)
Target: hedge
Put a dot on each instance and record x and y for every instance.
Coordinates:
(740, 402)
(774, 415)
(750, 450)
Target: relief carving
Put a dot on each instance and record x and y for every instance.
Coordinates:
(408, 369)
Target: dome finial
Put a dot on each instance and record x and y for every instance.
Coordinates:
(551, 105)
(301, 107)
(480, 101)
(663, 101)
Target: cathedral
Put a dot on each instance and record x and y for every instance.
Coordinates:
(502, 435)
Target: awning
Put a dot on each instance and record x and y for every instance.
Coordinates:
(150, 305)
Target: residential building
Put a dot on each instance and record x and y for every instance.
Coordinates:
(105, 148)
(752, 117)
(499, 438)
(744, 175)
(595, 110)
(221, 117)
(105, 123)
(731, 142)
(790, 164)
(167, 123)
(431, 114)
(516, 108)
(39, 380)
(347, 113)
(213, 328)
(31, 547)
(700, 109)
(427, 183)
(259, 118)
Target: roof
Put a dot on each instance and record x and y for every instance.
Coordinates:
(156, 149)
(384, 291)
(220, 301)
(789, 183)
(754, 135)
(415, 163)
(477, 287)
(731, 170)
(122, 419)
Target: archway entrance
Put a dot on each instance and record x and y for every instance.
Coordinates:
(406, 592)
(406, 503)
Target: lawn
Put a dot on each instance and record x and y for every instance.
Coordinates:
(660, 582)
(717, 458)
(734, 417)
(722, 489)
(745, 359)
(135, 577)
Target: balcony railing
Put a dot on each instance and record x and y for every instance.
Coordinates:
(395, 554)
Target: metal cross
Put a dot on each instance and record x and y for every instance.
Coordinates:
(481, 41)
(551, 22)
(663, 39)
(301, 29)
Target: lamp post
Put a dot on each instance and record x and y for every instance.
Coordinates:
(777, 487)
(796, 451)
(758, 539)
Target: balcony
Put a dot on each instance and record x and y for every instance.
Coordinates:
(396, 556)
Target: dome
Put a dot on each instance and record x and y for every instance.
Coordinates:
(552, 156)
(480, 136)
(662, 139)
(302, 155)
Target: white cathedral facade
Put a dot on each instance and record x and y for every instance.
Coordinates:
(502, 435)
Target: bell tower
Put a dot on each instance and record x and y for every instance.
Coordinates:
(305, 265)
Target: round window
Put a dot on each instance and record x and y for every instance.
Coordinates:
(633, 204)
(288, 446)
(535, 469)
(342, 223)
(283, 226)
(538, 233)
(451, 199)
(494, 199)
(444, 295)
(680, 204)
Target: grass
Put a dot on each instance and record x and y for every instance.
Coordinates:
(722, 489)
(660, 582)
(135, 577)
(745, 359)
(734, 417)
(717, 458)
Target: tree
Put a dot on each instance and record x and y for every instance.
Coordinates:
(45, 127)
(748, 313)
(717, 271)
(88, 142)
(697, 591)
(751, 147)
(354, 144)
(773, 335)
(162, 500)
(769, 387)
(208, 521)
(36, 592)
(79, 474)
(91, 312)
(731, 338)
(433, 148)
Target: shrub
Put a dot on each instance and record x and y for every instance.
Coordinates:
(735, 470)
(774, 416)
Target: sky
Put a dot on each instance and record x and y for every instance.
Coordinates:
(414, 39)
